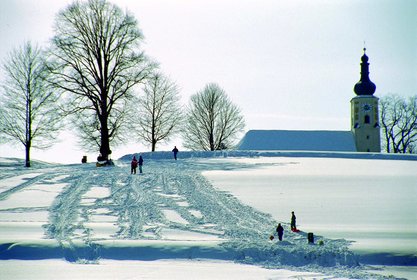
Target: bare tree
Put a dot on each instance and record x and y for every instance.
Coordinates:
(28, 107)
(213, 121)
(97, 63)
(159, 111)
(399, 123)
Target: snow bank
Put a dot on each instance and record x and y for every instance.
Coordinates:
(371, 202)
(184, 269)
(171, 211)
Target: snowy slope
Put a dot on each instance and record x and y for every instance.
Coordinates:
(86, 214)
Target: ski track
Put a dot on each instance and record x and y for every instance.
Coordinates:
(27, 183)
(137, 204)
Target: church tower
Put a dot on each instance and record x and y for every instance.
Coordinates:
(364, 112)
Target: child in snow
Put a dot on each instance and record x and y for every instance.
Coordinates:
(140, 164)
(133, 165)
(293, 224)
(280, 231)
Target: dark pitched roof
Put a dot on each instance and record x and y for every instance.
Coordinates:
(298, 140)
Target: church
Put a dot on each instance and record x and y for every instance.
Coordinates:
(364, 135)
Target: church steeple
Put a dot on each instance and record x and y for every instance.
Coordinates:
(365, 112)
(364, 86)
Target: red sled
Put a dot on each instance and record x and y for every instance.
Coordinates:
(295, 230)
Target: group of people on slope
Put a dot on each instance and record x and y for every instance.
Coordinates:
(280, 229)
(135, 163)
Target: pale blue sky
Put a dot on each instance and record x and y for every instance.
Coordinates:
(286, 64)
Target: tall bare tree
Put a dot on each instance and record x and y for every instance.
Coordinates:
(97, 62)
(399, 123)
(28, 107)
(213, 122)
(159, 112)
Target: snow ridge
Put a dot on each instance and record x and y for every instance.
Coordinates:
(270, 153)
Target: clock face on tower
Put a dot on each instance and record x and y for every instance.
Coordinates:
(367, 107)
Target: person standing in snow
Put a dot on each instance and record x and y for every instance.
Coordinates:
(175, 151)
(293, 223)
(140, 164)
(133, 165)
(280, 231)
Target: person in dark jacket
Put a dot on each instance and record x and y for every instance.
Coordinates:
(293, 223)
(280, 231)
(175, 151)
(140, 164)
(133, 165)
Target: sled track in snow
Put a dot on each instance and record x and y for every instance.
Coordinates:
(38, 178)
(141, 208)
(138, 201)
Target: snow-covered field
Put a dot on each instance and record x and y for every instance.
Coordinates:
(209, 218)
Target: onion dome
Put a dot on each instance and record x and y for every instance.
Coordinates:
(364, 86)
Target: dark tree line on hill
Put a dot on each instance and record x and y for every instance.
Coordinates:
(92, 75)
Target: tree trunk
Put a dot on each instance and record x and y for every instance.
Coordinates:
(153, 145)
(105, 138)
(28, 124)
(153, 137)
(27, 150)
(105, 143)
(211, 141)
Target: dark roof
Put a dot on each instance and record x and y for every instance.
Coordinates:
(298, 140)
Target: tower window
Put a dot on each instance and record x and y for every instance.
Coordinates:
(367, 119)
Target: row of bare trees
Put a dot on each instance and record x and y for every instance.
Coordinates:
(95, 77)
(91, 76)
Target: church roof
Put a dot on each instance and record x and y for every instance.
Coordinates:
(298, 140)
